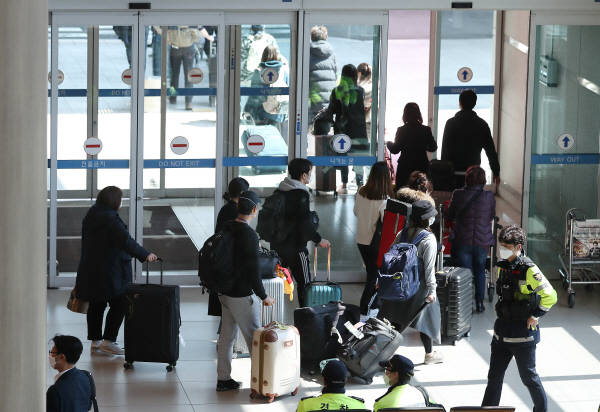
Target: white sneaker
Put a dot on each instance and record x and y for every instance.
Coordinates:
(111, 347)
(95, 346)
(433, 357)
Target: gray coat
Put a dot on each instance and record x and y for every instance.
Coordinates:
(430, 320)
(322, 74)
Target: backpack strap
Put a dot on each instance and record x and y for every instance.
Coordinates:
(420, 236)
(93, 389)
(428, 402)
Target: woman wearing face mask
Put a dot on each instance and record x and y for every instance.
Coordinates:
(473, 208)
(428, 322)
(105, 268)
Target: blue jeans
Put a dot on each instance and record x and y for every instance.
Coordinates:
(473, 258)
(525, 358)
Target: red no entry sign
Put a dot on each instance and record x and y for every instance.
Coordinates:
(60, 75)
(179, 145)
(255, 144)
(92, 146)
(126, 76)
(195, 75)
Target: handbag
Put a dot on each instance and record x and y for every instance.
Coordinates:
(322, 122)
(268, 261)
(77, 305)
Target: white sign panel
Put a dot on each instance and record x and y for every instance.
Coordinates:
(340, 143)
(92, 146)
(269, 75)
(61, 77)
(179, 145)
(126, 77)
(566, 141)
(465, 75)
(255, 144)
(195, 75)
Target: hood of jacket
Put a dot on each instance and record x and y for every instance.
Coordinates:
(273, 64)
(321, 49)
(468, 116)
(99, 216)
(411, 196)
(288, 184)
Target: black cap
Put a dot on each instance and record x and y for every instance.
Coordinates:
(251, 196)
(399, 363)
(422, 209)
(335, 373)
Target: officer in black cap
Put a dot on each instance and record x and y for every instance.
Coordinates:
(333, 395)
(399, 370)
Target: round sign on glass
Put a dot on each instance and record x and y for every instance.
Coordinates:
(340, 143)
(126, 77)
(269, 75)
(195, 75)
(60, 75)
(92, 146)
(179, 145)
(465, 74)
(255, 144)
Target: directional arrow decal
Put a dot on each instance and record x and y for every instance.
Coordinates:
(566, 140)
(465, 74)
(342, 143)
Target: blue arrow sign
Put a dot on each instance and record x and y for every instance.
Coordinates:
(465, 74)
(342, 142)
(566, 140)
(270, 76)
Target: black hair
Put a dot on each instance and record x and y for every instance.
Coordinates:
(512, 235)
(475, 176)
(418, 181)
(111, 197)
(235, 188)
(404, 378)
(350, 71)
(412, 113)
(299, 166)
(467, 99)
(245, 206)
(70, 346)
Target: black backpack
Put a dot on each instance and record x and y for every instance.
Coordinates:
(271, 225)
(217, 261)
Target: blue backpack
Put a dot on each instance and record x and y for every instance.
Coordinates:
(399, 273)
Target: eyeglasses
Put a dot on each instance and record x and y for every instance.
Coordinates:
(50, 352)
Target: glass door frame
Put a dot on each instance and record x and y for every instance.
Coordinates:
(541, 18)
(309, 19)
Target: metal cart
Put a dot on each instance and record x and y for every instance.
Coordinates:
(580, 260)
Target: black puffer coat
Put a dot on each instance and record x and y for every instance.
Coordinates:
(322, 74)
(473, 227)
(106, 250)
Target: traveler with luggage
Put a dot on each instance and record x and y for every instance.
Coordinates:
(524, 296)
(398, 372)
(428, 323)
(418, 188)
(297, 220)
(74, 390)
(413, 141)
(333, 395)
(369, 209)
(105, 268)
(241, 303)
(473, 209)
(465, 135)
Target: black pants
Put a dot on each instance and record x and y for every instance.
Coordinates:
(369, 298)
(180, 55)
(297, 262)
(114, 318)
(525, 358)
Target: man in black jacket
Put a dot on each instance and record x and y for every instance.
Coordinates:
(72, 388)
(464, 136)
(241, 305)
(293, 251)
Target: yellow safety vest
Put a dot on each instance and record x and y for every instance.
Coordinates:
(334, 401)
(400, 396)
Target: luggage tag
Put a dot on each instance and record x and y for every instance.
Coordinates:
(353, 330)
(334, 330)
(181, 340)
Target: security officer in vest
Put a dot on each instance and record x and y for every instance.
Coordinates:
(333, 396)
(524, 295)
(399, 370)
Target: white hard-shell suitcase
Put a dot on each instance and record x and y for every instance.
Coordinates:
(273, 287)
(275, 360)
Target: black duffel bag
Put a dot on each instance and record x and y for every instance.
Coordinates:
(268, 260)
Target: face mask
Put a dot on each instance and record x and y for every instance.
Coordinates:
(52, 360)
(431, 220)
(386, 380)
(506, 253)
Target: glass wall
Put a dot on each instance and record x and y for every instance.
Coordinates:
(565, 135)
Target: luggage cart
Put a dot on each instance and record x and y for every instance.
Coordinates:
(580, 260)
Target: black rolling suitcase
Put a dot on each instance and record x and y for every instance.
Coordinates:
(314, 325)
(380, 341)
(152, 323)
(455, 293)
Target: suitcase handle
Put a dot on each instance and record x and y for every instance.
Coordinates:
(148, 271)
(328, 263)
(262, 316)
(440, 263)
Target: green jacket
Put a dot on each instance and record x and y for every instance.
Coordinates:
(334, 401)
(400, 396)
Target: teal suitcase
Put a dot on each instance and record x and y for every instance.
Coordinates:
(321, 293)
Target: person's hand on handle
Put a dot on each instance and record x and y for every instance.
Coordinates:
(151, 258)
(431, 298)
(324, 243)
(497, 180)
(269, 301)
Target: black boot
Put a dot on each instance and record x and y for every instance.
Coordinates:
(479, 306)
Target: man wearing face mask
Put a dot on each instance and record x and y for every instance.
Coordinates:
(72, 389)
(333, 396)
(524, 296)
(292, 250)
(399, 370)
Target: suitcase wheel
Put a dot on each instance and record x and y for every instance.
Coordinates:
(369, 381)
(454, 342)
(491, 292)
(170, 368)
(295, 392)
(335, 194)
(318, 194)
(253, 394)
(128, 365)
(467, 334)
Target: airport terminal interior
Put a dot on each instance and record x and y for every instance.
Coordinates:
(171, 125)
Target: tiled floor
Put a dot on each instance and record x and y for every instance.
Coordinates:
(568, 361)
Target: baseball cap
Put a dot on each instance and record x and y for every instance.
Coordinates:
(251, 196)
(335, 373)
(399, 363)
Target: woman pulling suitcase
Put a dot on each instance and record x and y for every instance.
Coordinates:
(428, 323)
